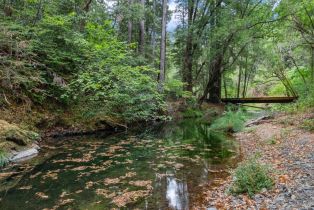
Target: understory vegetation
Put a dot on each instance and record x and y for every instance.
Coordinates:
(251, 177)
(66, 58)
(3, 158)
(230, 121)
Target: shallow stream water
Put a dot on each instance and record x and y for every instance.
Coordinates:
(160, 168)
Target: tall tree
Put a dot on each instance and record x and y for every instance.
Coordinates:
(130, 24)
(163, 45)
(142, 29)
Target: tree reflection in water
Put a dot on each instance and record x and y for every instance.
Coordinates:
(177, 194)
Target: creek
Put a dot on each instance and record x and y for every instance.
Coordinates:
(162, 167)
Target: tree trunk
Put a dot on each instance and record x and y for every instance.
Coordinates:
(87, 4)
(39, 13)
(142, 31)
(7, 9)
(188, 57)
(154, 31)
(225, 86)
(239, 80)
(312, 64)
(213, 88)
(188, 65)
(130, 25)
(163, 45)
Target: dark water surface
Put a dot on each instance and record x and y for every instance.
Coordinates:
(161, 168)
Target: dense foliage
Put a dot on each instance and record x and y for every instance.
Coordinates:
(72, 58)
(101, 57)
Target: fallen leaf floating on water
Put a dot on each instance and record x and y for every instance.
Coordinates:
(163, 175)
(35, 175)
(129, 197)
(51, 175)
(26, 187)
(178, 165)
(66, 201)
(80, 168)
(63, 194)
(142, 183)
(105, 193)
(109, 181)
(42, 195)
(115, 148)
(86, 158)
(89, 185)
(130, 174)
(129, 161)
(5, 175)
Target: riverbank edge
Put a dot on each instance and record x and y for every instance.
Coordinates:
(49, 124)
(286, 147)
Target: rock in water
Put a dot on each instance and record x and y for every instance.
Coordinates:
(24, 155)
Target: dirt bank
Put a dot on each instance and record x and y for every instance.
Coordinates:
(283, 144)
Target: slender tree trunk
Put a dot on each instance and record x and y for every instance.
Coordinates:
(163, 45)
(39, 13)
(225, 86)
(130, 25)
(188, 56)
(239, 80)
(245, 82)
(154, 31)
(142, 30)
(85, 8)
(188, 65)
(87, 4)
(312, 64)
(7, 9)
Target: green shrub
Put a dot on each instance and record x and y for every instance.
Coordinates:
(3, 158)
(308, 124)
(174, 89)
(127, 93)
(191, 113)
(305, 91)
(231, 121)
(251, 177)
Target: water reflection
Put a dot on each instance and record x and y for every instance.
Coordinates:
(159, 169)
(177, 194)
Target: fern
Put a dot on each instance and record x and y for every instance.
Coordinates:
(4, 160)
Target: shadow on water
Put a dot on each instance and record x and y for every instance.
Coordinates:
(160, 168)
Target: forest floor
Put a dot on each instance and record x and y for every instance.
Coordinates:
(288, 149)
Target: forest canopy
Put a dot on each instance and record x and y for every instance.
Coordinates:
(115, 58)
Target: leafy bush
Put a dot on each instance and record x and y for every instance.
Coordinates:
(251, 177)
(308, 124)
(109, 86)
(174, 89)
(3, 158)
(19, 70)
(191, 113)
(304, 89)
(231, 121)
(124, 92)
